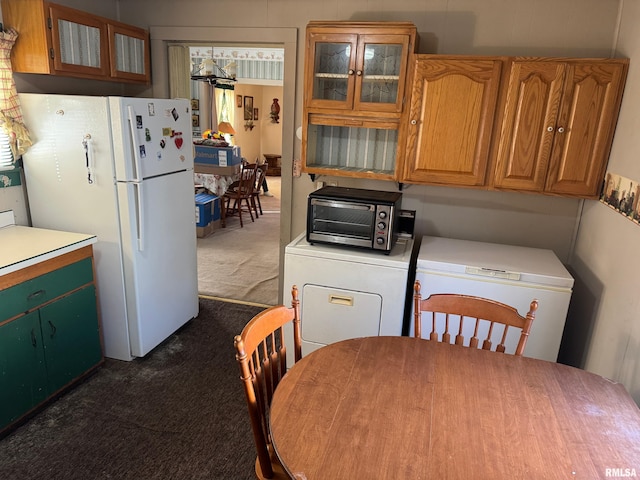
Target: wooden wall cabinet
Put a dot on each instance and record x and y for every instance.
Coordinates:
(354, 94)
(558, 124)
(450, 119)
(58, 40)
(49, 331)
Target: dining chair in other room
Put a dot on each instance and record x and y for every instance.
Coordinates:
(239, 191)
(459, 309)
(262, 356)
(261, 173)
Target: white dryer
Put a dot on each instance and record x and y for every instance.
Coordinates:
(509, 274)
(347, 292)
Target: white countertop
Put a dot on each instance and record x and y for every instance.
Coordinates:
(26, 246)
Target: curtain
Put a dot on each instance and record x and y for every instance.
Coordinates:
(224, 104)
(10, 112)
(179, 72)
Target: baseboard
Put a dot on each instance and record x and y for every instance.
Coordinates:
(231, 300)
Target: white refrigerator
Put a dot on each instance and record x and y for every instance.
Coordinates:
(506, 273)
(122, 169)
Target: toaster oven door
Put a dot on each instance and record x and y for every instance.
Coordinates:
(340, 222)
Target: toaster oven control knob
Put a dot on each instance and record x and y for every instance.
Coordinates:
(380, 241)
(382, 215)
(382, 225)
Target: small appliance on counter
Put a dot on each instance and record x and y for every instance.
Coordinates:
(356, 217)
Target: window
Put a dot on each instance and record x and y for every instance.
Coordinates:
(224, 105)
(6, 157)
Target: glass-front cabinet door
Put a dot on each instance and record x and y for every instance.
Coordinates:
(78, 42)
(357, 72)
(129, 52)
(382, 61)
(332, 70)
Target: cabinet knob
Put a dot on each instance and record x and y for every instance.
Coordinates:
(351, 72)
(359, 73)
(414, 122)
(550, 128)
(560, 129)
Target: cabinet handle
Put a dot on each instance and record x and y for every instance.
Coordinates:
(36, 295)
(340, 300)
(550, 128)
(351, 72)
(34, 342)
(53, 329)
(560, 129)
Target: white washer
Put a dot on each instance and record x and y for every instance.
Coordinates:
(508, 274)
(346, 292)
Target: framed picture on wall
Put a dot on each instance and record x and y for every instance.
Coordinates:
(195, 120)
(239, 101)
(195, 104)
(255, 114)
(248, 108)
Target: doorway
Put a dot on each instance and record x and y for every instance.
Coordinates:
(161, 37)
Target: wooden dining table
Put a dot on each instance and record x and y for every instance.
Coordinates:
(408, 408)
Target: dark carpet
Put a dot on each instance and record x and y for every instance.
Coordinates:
(178, 413)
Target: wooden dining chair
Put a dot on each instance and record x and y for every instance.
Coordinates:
(459, 309)
(261, 173)
(237, 192)
(262, 356)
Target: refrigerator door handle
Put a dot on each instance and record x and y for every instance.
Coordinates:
(139, 216)
(88, 154)
(135, 149)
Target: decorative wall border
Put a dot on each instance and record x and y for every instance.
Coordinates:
(622, 195)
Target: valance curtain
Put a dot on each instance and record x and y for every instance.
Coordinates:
(11, 120)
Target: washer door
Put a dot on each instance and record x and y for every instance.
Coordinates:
(330, 315)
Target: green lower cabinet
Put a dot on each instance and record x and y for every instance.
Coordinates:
(70, 337)
(23, 374)
(45, 350)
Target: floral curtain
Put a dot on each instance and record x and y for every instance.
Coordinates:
(10, 112)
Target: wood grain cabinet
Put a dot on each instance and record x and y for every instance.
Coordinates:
(58, 40)
(450, 119)
(354, 94)
(49, 331)
(558, 124)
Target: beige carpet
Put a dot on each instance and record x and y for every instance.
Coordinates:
(242, 263)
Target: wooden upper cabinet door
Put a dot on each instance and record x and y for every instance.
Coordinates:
(79, 42)
(528, 125)
(381, 66)
(586, 123)
(450, 119)
(129, 52)
(330, 70)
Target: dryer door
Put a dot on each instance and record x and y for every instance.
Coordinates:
(330, 315)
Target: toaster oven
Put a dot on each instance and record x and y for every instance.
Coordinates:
(353, 217)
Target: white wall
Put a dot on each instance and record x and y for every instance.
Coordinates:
(248, 140)
(605, 323)
(271, 138)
